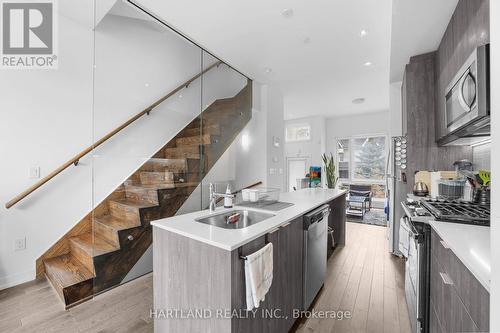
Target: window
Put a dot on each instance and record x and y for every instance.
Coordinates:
(368, 158)
(343, 158)
(362, 159)
(298, 132)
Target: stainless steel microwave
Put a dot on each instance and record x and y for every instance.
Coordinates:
(467, 100)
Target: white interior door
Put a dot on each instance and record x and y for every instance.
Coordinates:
(296, 168)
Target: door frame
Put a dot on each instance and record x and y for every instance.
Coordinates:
(294, 158)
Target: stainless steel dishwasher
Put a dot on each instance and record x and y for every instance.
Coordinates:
(315, 252)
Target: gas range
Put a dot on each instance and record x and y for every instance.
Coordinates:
(458, 211)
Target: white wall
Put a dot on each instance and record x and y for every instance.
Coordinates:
(253, 150)
(368, 123)
(272, 99)
(495, 164)
(46, 117)
(312, 148)
(395, 111)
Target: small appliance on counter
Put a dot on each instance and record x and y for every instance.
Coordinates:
(462, 165)
(420, 189)
(451, 189)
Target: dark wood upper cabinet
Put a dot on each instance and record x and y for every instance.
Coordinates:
(468, 28)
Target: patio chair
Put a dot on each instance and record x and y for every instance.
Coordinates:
(360, 198)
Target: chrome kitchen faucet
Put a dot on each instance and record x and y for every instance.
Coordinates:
(214, 195)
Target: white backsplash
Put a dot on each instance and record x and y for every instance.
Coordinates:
(481, 156)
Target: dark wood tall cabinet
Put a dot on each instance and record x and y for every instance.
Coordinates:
(419, 113)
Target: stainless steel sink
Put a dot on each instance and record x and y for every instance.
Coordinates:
(245, 219)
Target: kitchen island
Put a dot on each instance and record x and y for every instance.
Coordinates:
(199, 280)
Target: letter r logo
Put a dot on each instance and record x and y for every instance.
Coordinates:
(27, 27)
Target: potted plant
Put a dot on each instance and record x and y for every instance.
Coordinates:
(330, 172)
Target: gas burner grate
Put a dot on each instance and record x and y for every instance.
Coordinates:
(459, 211)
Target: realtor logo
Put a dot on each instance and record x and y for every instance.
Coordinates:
(28, 34)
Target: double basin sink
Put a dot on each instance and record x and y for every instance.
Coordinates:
(235, 219)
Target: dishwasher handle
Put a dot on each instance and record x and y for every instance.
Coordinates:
(316, 216)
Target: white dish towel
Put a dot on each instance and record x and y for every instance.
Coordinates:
(258, 275)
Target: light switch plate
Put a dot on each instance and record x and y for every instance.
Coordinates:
(34, 172)
(20, 244)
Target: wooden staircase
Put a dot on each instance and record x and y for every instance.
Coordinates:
(104, 246)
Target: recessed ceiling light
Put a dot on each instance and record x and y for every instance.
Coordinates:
(268, 70)
(358, 101)
(368, 63)
(287, 13)
(180, 95)
(146, 85)
(363, 33)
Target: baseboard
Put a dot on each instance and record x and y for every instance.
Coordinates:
(15, 279)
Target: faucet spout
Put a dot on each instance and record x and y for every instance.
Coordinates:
(214, 196)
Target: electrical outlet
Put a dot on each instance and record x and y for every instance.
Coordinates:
(20, 244)
(34, 172)
(281, 171)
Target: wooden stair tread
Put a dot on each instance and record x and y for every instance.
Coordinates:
(213, 129)
(186, 184)
(192, 152)
(93, 245)
(114, 223)
(156, 186)
(193, 140)
(165, 164)
(134, 203)
(66, 271)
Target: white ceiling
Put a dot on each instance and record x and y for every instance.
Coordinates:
(321, 77)
(317, 78)
(417, 27)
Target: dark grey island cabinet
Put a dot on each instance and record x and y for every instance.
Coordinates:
(275, 314)
(459, 302)
(191, 275)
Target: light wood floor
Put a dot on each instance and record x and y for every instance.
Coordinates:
(366, 280)
(35, 307)
(362, 278)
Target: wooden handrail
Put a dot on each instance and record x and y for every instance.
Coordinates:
(87, 150)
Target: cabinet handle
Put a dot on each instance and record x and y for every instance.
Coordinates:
(285, 225)
(443, 243)
(446, 279)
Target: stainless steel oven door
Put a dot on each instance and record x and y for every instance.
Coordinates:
(412, 280)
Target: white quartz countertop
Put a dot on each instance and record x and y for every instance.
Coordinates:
(471, 244)
(303, 201)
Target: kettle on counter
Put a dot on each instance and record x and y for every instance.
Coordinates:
(420, 189)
